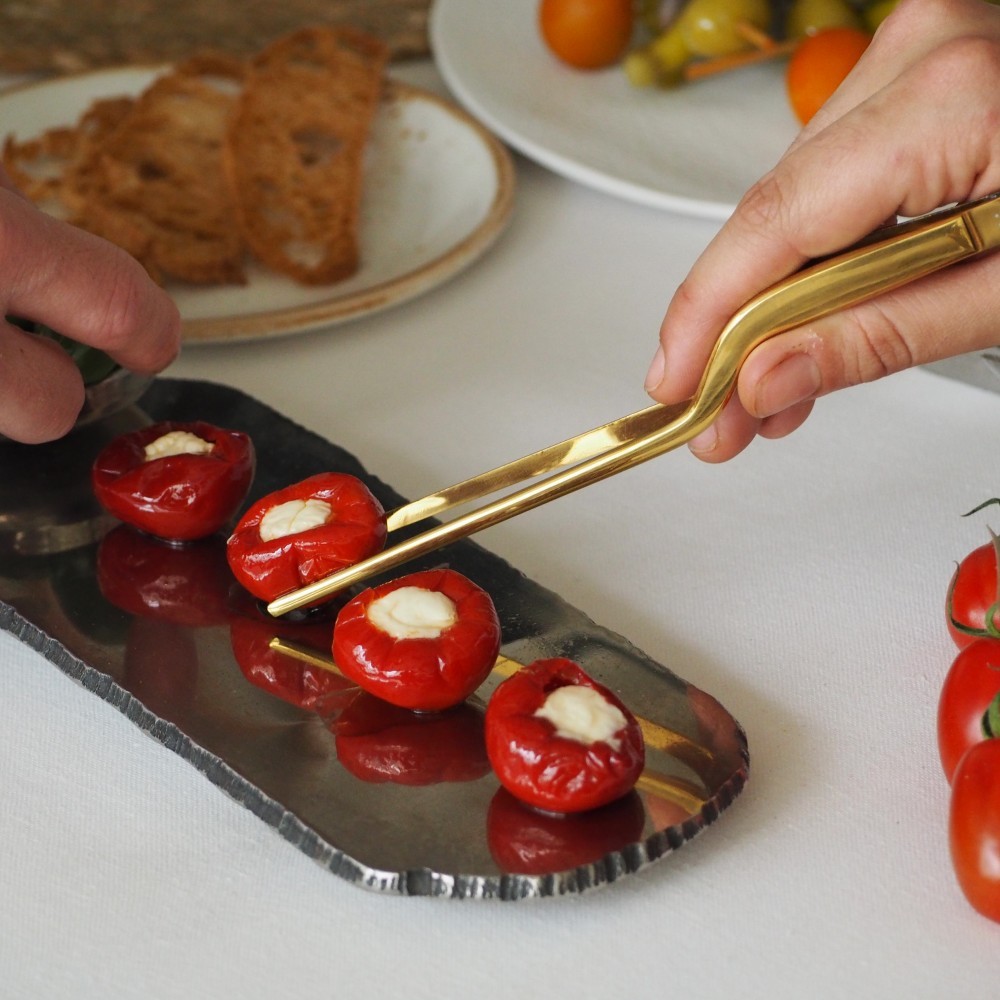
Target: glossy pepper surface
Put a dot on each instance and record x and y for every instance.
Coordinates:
(553, 768)
(353, 529)
(430, 671)
(179, 497)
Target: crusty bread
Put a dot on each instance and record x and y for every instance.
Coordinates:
(56, 169)
(218, 157)
(295, 150)
(146, 173)
(160, 192)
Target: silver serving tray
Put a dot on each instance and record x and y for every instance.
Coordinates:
(388, 800)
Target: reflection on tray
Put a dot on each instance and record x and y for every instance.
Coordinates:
(381, 796)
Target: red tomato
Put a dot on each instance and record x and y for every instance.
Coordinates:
(178, 497)
(973, 596)
(184, 584)
(423, 672)
(586, 34)
(970, 685)
(353, 530)
(553, 770)
(974, 827)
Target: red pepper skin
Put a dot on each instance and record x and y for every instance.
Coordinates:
(186, 585)
(356, 530)
(421, 674)
(180, 497)
(549, 771)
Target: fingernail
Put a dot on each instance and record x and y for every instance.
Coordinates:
(655, 374)
(705, 442)
(796, 379)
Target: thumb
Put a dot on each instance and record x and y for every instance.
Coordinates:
(940, 316)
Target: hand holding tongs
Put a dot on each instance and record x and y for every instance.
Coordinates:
(890, 258)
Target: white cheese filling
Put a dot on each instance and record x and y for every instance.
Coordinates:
(293, 517)
(413, 613)
(177, 443)
(580, 713)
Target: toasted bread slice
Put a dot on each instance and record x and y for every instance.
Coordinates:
(158, 188)
(56, 169)
(295, 150)
(146, 173)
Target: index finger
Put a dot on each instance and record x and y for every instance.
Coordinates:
(796, 212)
(871, 153)
(84, 287)
(886, 156)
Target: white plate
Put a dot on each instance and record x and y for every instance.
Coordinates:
(438, 191)
(692, 150)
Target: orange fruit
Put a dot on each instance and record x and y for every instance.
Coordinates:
(819, 65)
(586, 34)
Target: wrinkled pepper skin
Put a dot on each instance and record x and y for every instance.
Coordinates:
(424, 674)
(355, 530)
(178, 497)
(547, 770)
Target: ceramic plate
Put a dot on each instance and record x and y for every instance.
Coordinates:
(693, 150)
(438, 191)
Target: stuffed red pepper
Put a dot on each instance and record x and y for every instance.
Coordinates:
(178, 481)
(305, 532)
(560, 741)
(424, 641)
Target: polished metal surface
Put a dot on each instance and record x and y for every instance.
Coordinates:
(111, 395)
(46, 504)
(893, 257)
(389, 800)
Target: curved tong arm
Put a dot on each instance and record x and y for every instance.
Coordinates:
(889, 259)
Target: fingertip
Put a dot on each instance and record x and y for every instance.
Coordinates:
(782, 424)
(88, 289)
(796, 378)
(654, 376)
(161, 345)
(140, 326)
(724, 439)
(703, 445)
(41, 389)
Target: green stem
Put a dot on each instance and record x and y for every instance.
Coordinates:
(991, 718)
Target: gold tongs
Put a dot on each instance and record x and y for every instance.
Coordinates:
(891, 257)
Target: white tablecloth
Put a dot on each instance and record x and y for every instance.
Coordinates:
(801, 584)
